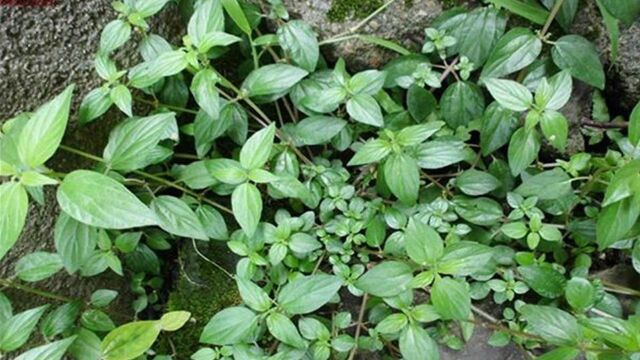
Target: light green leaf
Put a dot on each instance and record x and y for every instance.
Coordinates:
(149, 72)
(284, 330)
(422, 243)
(563, 353)
(555, 128)
(230, 326)
(523, 150)
(461, 103)
(478, 211)
(547, 185)
(94, 104)
(466, 258)
(440, 153)
(203, 88)
(212, 222)
(416, 134)
(174, 320)
(554, 93)
(255, 152)
(227, 171)
(61, 319)
(96, 320)
(14, 204)
(177, 218)
(488, 24)
(246, 203)
(207, 17)
(386, 279)
(510, 94)
(273, 80)
(580, 294)
(309, 293)
(252, 295)
(114, 35)
(371, 151)
(300, 42)
(16, 331)
(103, 297)
(236, 13)
(148, 8)
(41, 135)
(529, 10)
(404, 187)
(616, 220)
(634, 125)
(580, 57)
(544, 280)
(52, 351)
(316, 130)
(451, 299)
(553, 325)
(364, 108)
(214, 39)
(74, 241)
(38, 266)
(131, 340)
(514, 51)
(392, 323)
(474, 182)
(86, 346)
(121, 96)
(416, 344)
(113, 207)
(368, 82)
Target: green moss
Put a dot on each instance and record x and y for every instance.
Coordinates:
(203, 290)
(357, 9)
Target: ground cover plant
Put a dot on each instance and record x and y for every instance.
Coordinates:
(374, 211)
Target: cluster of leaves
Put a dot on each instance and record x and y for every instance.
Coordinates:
(378, 186)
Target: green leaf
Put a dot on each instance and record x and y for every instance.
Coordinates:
(529, 10)
(213, 223)
(625, 10)
(148, 8)
(547, 185)
(103, 297)
(440, 153)
(498, 124)
(252, 295)
(96, 320)
(233, 8)
(230, 326)
(544, 280)
(451, 299)
(273, 80)
(16, 331)
(634, 125)
(404, 187)
(284, 330)
(487, 24)
(474, 182)
(308, 293)
(38, 266)
(420, 102)
(300, 42)
(623, 183)
(94, 104)
(371, 151)
(256, 150)
(416, 134)
(121, 96)
(523, 150)
(131, 340)
(616, 220)
(216, 39)
(132, 143)
(422, 243)
(86, 346)
(149, 72)
(461, 103)
(203, 88)
(246, 203)
(416, 344)
(364, 108)
(563, 353)
(114, 35)
(619, 332)
(174, 320)
(13, 213)
(368, 82)
(316, 130)
(227, 171)
(466, 258)
(392, 324)
(613, 28)
(207, 17)
(580, 57)
(515, 230)
(478, 211)
(74, 241)
(555, 128)
(510, 94)
(386, 279)
(176, 217)
(514, 51)
(635, 257)
(52, 351)
(113, 207)
(553, 325)
(554, 93)
(61, 319)
(580, 294)
(41, 135)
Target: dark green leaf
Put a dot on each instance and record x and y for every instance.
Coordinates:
(423, 244)
(498, 124)
(272, 81)
(451, 299)
(523, 149)
(309, 293)
(177, 218)
(474, 182)
(514, 51)
(13, 213)
(246, 203)
(316, 130)
(299, 40)
(386, 279)
(404, 187)
(461, 102)
(553, 325)
(544, 280)
(580, 57)
(420, 102)
(229, 326)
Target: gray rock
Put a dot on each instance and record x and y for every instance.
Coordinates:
(399, 22)
(42, 50)
(478, 348)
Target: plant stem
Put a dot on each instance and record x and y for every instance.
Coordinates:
(152, 177)
(604, 125)
(34, 291)
(363, 308)
(556, 7)
(218, 266)
(170, 107)
(350, 34)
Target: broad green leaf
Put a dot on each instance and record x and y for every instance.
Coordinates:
(392, 324)
(16, 331)
(498, 124)
(121, 96)
(479, 211)
(97, 320)
(555, 128)
(246, 203)
(38, 266)
(580, 57)
(461, 103)
(623, 184)
(510, 94)
(371, 151)
(300, 42)
(216, 39)
(440, 153)
(203, 88)
(554, 93)
(253, 295)
(364, 108)
(132, 143)
(152, 45)
(94, 104)
(309, 293)
(420, 102)
(404, 187)
(368, 82)
(386, 279)
(487, 24)
(634, 125)
(312, 329)
(284, 330)
(149, 72)
(529, 10)
(174, 320)
(131, 340)
(114, 35)
(34, 178)
(233, 8)
(213, 223)
(176, 217)
(547, 185)
(42, 134)
(113, 207)
(553, 325)
(474, 182)
(86, 346)
(14, 204)
(616, 220)
(613, 27)
(466, 258)
(255, 152)
(451, 299)
(148, 8)
(61, 319)
(195, 175)
(230, 326)
(544, 280)
(52, 351)
(273, 80)
(74, 241)
(422, 243)
(207, 17)
(416, 344)
(316, 130)
(523, 149)
(416, 134)
(580, 294)
(619, 332)
(514, 51)
(625, 10)
(227, 171)
(6, 310)
(103, 297)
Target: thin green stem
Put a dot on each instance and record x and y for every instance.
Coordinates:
(552, 15)
(170, 107)
(34, 291)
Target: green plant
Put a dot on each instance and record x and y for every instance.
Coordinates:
(332, 186)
